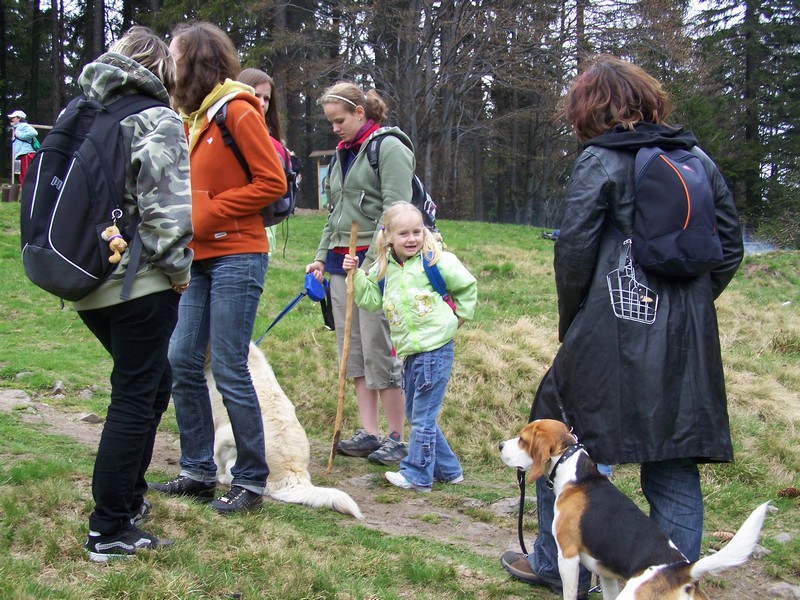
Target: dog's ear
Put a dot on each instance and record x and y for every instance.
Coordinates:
(538, 446)
(564, 441)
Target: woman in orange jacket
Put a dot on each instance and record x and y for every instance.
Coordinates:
(218, 311)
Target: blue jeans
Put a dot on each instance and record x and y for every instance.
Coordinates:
(425, 378)
(216, 315)
(672, 488)
(136, 335)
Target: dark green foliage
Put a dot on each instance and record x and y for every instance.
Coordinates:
(475, 84)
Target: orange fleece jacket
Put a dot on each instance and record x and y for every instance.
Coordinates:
(225, 204)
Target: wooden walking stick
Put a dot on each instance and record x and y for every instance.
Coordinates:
(348, 319)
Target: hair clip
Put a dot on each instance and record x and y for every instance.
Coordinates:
(382, 228)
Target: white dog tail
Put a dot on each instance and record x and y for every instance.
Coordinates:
(304, 492)
(738, 550)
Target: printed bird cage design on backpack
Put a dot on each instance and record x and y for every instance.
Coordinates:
(630, 299)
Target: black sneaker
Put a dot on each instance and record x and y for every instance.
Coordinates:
(237, 499)
(185, 486)
(390, 453)
(361, 444)
(122, 544)
(141, 515)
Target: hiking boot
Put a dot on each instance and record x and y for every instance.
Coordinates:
(185, 486)
(361, 444)
(122, 544)
(237, 499)
(141, 515)
(390, 452)
(519, 568)
(398, 480)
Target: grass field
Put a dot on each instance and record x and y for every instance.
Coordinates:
(292, 552)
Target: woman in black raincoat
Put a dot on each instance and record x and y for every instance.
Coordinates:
(633, 392)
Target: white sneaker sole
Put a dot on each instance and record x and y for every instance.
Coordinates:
(398, 480)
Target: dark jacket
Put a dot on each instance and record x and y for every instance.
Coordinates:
(635, 392)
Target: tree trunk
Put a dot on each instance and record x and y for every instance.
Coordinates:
(36, 44)
(57, 58)
(751, 109)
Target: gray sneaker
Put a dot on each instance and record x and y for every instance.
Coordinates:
(361, 444)
(390, 452)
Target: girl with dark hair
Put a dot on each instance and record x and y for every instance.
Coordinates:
(264, 87)
(217, 314)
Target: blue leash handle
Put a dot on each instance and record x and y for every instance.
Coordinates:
(314, 290)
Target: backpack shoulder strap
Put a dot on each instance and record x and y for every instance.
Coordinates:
(437, 281)
(374, 152)
(130, 104)
(288, 167)
(434, 277)
(219, 119)
(126, 106)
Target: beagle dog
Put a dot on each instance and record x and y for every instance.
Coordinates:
(599, 526)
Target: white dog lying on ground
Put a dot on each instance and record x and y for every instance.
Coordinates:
(287, 446)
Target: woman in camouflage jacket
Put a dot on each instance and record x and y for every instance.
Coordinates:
(136, 332)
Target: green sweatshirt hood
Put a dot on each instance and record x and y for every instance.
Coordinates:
(113, 75)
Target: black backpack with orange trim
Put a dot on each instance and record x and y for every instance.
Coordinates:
(675, 224)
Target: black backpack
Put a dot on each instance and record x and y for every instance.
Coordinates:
(73, 191)
(419, 196)
(675, 224)
(281, 209)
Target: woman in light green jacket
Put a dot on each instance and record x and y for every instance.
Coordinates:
(356, 194)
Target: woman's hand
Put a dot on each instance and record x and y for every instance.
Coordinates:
(318, 269)
(350, 263)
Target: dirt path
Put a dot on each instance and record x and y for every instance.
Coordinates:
(442, 517)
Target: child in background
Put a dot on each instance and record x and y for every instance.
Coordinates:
(422, 326)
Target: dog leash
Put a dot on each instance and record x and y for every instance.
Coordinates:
(313, 289)
(521, 473)
(521, 484)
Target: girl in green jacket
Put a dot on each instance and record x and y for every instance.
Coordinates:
(422, 326)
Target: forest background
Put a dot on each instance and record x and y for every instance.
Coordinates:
(474, 83)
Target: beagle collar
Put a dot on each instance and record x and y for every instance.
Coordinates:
(570, 451)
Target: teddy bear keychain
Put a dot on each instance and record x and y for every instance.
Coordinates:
(116, 243)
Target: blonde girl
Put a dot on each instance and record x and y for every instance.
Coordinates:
(422, 326)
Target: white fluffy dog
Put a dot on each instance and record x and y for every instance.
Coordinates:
(286, 443)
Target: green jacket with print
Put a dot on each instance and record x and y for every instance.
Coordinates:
(419, 318)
